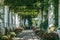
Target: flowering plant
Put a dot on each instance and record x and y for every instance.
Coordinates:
(12, 34)
(8, 36)
(5, 37)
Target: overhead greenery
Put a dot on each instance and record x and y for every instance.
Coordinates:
(24, 5)
(19, 2)
(32, 13)
(15, 3)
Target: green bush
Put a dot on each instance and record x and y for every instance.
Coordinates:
(1, 36)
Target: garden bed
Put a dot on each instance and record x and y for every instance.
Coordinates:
(44, 35)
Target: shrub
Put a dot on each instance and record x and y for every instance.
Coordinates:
(17, 30)
(47, 36)
(4, 37)
(12, 34)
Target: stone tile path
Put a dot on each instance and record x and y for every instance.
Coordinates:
(27, 35)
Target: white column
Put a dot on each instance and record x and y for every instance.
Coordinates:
(1, 16)
(17, 20)
(44, 13)
(59, 15)
(39, 18)
(2, 30)
(21, 21)
(6, 17)
(26, 23)
(10, 18)
(10, 21)
(13, 19)
(58, 31)
(51, 15)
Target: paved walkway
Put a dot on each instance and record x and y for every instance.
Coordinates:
(27, 35)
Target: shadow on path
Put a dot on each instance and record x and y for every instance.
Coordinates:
(27, 35)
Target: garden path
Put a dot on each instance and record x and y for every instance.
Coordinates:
(27, 35)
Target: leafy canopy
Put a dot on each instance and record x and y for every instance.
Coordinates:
(24, 7)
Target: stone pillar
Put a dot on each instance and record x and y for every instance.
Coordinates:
(59, 15)
(21, 21)
(39, 18)
(44, 14)
(13, 20)
(1, 16)
(6, 17)
(10, 21)
(2, 29)
(51, 15)
(17, 20)
(26, 23)
(58, 29)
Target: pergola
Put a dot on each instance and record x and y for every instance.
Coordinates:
(24, 7)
